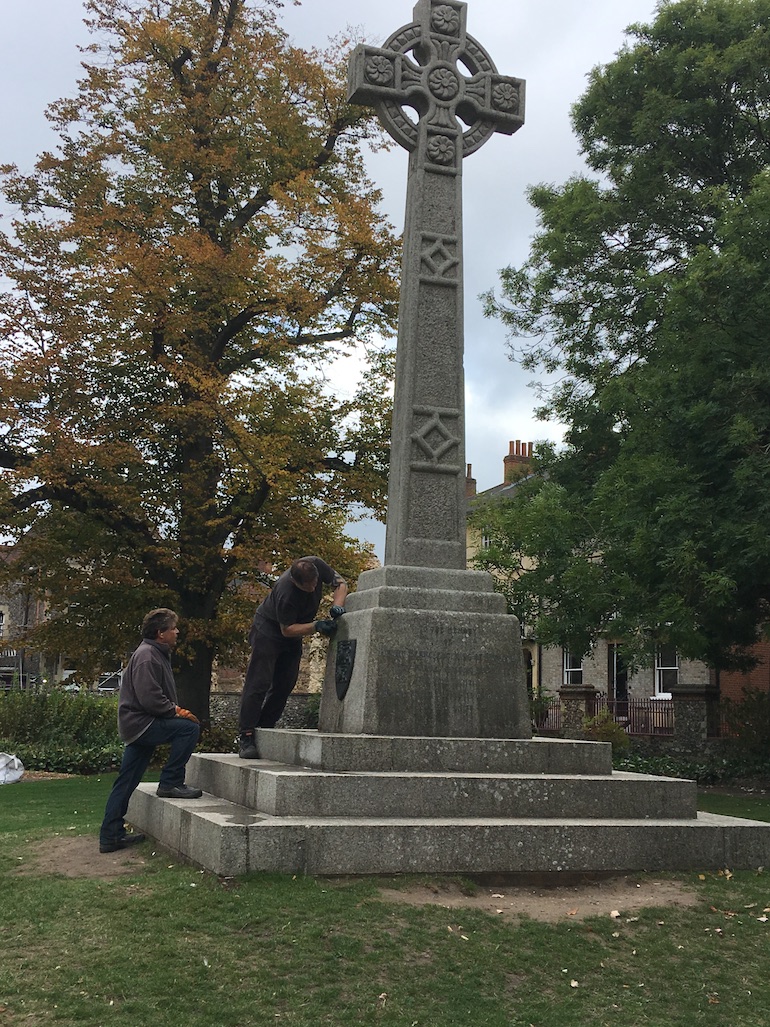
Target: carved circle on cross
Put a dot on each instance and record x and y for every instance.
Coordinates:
(505, 97)
(442, 150)
(380, 70)
(445, 19)
(442, 81)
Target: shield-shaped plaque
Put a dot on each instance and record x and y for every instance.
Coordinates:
(343, 668)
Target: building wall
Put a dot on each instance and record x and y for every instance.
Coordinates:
(641, 684)
(17, 664)
(732, 683)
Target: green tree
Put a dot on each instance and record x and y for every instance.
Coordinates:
(647, 295)
(178, 273)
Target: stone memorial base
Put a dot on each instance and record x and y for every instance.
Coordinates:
(426, 652)
(328, 804)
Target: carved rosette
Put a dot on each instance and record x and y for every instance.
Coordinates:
(445, 20)
(379, 70)
(505, 97)
(442, 150)
(443, 83)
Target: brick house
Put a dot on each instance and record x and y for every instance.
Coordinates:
(733, 682)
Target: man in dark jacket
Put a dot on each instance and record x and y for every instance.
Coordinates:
(280, 623)
(148, 716)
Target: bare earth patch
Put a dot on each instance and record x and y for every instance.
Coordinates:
(79, 856)
(576, 900)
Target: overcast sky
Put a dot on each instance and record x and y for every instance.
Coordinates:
(553, 44)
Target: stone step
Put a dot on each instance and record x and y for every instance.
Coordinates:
(409, 754)
(230, 839)
(280, 790)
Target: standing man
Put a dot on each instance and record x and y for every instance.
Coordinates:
(281, 621)
(148, 716)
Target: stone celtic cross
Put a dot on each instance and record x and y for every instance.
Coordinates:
(454, 113)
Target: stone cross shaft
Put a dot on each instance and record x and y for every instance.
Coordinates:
(454, 114)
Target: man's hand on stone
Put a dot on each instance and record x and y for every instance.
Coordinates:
(336, 611)
(326, 627)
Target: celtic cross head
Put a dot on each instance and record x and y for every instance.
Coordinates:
(417, 68)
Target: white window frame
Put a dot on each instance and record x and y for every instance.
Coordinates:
(666, 672)
(572, 669)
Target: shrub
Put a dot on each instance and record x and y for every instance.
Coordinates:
(715, 765)
(603, 728)
(220, 737)
(58, 717)
(312, 710)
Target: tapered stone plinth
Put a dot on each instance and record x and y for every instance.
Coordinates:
(426, 652)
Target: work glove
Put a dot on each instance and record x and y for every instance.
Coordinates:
(326, 627)
(336, 611)
(181, 712)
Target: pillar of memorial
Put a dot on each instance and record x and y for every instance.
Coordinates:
(427, 647)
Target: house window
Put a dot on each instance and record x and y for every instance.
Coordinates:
(573, 669)
(486, 542)
(2, 624)
(666, 670)
(617, 674)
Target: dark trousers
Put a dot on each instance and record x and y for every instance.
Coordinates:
(270, 677)
(182, 734)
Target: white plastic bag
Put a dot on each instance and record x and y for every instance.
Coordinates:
(11, 769)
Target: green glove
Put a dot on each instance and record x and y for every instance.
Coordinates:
(326, 627)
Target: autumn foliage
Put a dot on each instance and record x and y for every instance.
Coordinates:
(177, 275)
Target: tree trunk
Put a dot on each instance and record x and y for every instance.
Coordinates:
(193, 679)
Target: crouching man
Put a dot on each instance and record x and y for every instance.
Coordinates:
(148, 716)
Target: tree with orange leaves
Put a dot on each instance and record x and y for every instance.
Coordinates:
(178, 273)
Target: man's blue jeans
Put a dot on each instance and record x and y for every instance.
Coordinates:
(182, 734)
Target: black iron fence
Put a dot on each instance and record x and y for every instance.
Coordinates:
(636, 716)
(640, 716)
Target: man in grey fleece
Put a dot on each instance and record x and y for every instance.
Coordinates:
(148, 716)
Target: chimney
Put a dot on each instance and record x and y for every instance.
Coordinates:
(470, 484)
(517, 463)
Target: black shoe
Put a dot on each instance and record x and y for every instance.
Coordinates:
(179, 792)
(122, 843)
(247, 747)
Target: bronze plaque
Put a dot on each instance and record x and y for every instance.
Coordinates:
(343, 669)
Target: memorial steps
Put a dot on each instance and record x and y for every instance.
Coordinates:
(345, 804)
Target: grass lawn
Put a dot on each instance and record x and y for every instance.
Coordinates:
(170, 945)
(751, 805)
